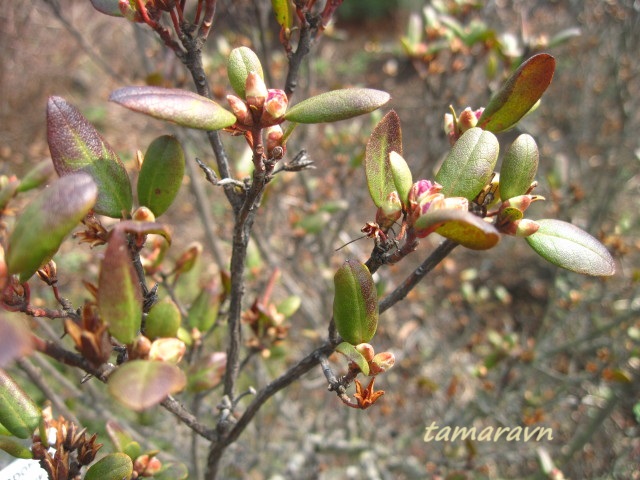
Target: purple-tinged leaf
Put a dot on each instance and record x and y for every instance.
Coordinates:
(141, 384)
(519, 93)
(115, 466)
(469, 164)
(337, 105)
(161, 174)
(349, 351)
(15, 339)
(47, 220)
(570, 247)
(241, 62)
(460, 226)
(76, 146)
(119, 292)
(355, 303)
(18, 412)
(179, 106)
(519, 167)
(385, 138)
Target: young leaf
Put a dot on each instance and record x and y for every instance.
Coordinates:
(469, 164)
(519, 93)
(355, 304)
(567, 246)
(36, 177)
(460, 226)
(161, 174)
(385, 138)
(141, 384)
(402, 177)
(353, 355)
(519, 167)
(115, 466)
(337, 105)
(163, 320)
(119, 295)
(282, 13)
(179, 106)
(45, 222)
(203, 312)
(18, 413)
(242, 60)
(76, 146)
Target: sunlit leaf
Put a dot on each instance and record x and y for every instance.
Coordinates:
(519, 93)
(76, 146)
(179, 106)
(119, 291)
(469, 164)
(115, 466)
(337, 105)
(349, 351)
(282, 12)
(47, 220)
(241, 62)
(161, 174)
(385, 138)
(519, 167)
(141, 384)
(355, 304)
(460, 226)
(570, 247)
(18, 413)
(402, 178)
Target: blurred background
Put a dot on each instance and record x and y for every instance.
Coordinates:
(497, 338)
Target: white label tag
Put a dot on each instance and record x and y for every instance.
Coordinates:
(22, 469)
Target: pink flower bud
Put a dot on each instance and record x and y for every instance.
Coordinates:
(275, 106)
(366, 350)
(423, 188)
(389, 211)
(240, 110)
(467, 120)
(255, 91)
(381, 363)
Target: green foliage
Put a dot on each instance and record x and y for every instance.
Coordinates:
(18, 413)
(385, 138)
(519, 167)
(355, 303)
(241, 62)
(47, 220)
(114, 466)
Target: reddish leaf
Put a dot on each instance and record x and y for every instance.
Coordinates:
(385, 138)
(119, 294)
(179, 106)
(519, 93)
(76, 146)
(460, 226)
(141, 384)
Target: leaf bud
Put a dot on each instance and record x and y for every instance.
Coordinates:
(256, 91)
(274, 141)
(467, 120)
(381, 363)
(167, 350)
(389, 211)
(366, 350)
(240, 110)
(143, 214)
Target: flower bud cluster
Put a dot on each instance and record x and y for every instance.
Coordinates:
(261, 108)
(378, 363)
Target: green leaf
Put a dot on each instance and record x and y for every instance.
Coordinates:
(173, 471)
(355, 304)
(115, 466)
(163, 320)
(203, 312)
(76, 146)
(161, 174)
(36, 177)
(402, 178)
(354, 356)
(282, 12)
(179, 106)
(461, 226)
(47, 220)
(15, 449)
(241, 62)
(119, 294)
(141, 384)
(18, 413)
(519, 167)
(289, 305)
(567, 246)
(519, 93)
(337, 105)
(385, 138)
(207, 372)
(469, 164)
